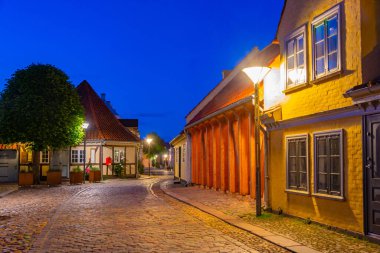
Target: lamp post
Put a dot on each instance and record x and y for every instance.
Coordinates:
(165, 160)
(149, 140)
(257, 74)
(84, 126)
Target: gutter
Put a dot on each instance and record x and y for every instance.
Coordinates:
(220, 111)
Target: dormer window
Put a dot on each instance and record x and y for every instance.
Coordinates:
(296, 58)
(326, 43)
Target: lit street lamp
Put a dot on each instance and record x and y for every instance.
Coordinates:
(84, 126)
(257, 74)
(149, 140)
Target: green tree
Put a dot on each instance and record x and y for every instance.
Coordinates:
(156, 147)
(40, 108)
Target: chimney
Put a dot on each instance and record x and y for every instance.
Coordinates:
(225, 73)
(103, 96)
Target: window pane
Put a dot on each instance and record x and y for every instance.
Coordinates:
(321, 145)
(335, 164)
(303, 181)
(300, 43)
(335, 145)
(290, 50)
(302, 148)
(291, 148)
(332, 44)
(320, 68)
(332, 26)
(333, 61)
(302, 164)
(320, 49)
(292, 164)
(322, 164)
(293, 180)
(322, 182)
(319, 32)
(300, 59)
(335, 183)
(291, 62)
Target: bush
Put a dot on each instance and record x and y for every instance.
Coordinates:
(118, 168)
(77, 169)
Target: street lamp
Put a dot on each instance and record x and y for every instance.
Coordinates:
(84, 126)
(149, 140)
(257, 74)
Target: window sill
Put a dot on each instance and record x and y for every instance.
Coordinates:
(327, 77)
(330, 197)
(296, 88)
(304, 193)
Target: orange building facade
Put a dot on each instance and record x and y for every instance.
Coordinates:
(221, 132)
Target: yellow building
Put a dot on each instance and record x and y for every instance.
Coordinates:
(181, 171)
(323, 130)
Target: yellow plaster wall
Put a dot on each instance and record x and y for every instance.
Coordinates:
(347, 214)
(324, 95)
(370, 25)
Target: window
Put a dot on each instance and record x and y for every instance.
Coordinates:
(176, 154)
(297, 163)
(93, 155)
(44, 156)
(77, 156)
(116, 156)
(296, 58)
(326, 43)
(329, 163)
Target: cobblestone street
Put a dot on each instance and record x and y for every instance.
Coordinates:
(115, 216)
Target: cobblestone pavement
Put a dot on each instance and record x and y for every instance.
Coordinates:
(313, 235)
(114, 216)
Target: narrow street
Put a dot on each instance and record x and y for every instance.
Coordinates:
(115, 216)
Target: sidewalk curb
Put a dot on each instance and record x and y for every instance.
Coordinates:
(276, 239)
(2, 195)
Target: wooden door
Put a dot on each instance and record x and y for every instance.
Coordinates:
(372, 174)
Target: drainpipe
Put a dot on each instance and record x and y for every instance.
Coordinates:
(266, 175)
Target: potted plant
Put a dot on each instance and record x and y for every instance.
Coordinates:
(76, 175)
(118, 168)
(94, 175)
(54, 177)
(25, 177)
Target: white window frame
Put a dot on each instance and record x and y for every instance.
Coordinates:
(294, 37)
(42, 156)
(116, 155)
(339, 132)
(318, 21)
(79, 154)
(293, 137)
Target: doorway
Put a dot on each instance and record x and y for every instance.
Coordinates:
(372, 174)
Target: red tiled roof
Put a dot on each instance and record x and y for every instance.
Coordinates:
(103, 124)
(240, 86)
(8, 146)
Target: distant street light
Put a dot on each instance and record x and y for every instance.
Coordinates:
(165, 160)
(257, 74)
(84, 126)
(149, 140)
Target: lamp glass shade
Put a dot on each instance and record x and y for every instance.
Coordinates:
(85, 125)
(149, 140)
(256, 74)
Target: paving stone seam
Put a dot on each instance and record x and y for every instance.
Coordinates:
(42, 237)
(292, 247)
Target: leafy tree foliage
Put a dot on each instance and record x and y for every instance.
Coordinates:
(157, 146)
(40, 107)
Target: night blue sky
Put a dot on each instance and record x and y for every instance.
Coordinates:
(155, 59)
